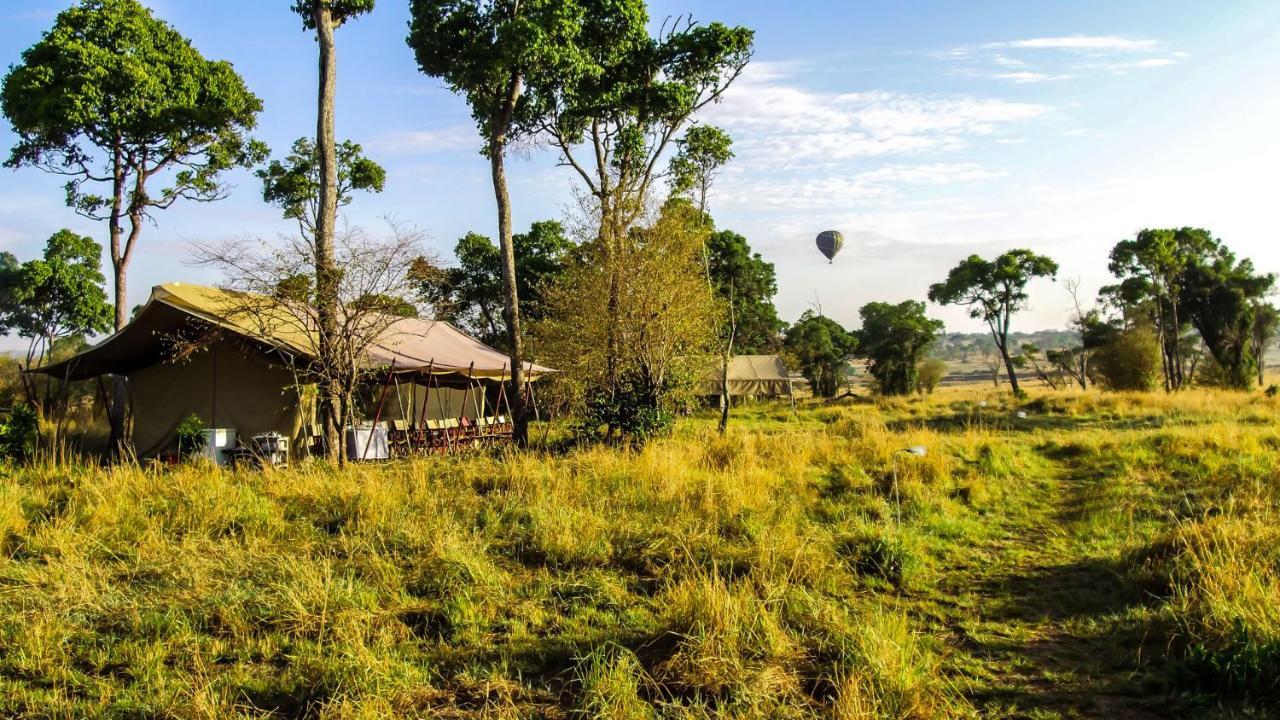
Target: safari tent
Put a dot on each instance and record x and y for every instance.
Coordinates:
(253, 378)
(762, 376)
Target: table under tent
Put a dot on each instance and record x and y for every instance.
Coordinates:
(186, 352)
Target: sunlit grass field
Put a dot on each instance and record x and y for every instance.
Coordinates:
(1107, 555)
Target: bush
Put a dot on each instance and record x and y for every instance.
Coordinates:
(929, 375)
(18, 433)
(191, 436)
(1129, 361)
(634, 411)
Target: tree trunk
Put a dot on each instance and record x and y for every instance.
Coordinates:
(326, 219)
(511, 307)
(1008, 366)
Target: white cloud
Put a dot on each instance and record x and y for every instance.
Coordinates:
(434, 140)
(779, 124)
(1090, 43)
(886, 183)
(1045, 59)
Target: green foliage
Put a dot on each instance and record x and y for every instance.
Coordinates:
(190, 436)
(498, 52)
(110, 90)
(471, 295)
(895, 338)
(56, 296)
(994, 290)
(340, 11)
(19, 432)
(929, 374)
(1220, 296)
(293, 184)
(747, 282)
(1128, 359)
(701, 153)
(635, 410)
(820, 348)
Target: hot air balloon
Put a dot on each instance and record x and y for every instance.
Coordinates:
(830, 242)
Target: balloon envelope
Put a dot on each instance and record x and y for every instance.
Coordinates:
(830, 242)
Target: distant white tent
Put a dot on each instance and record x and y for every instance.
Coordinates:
(751, 375)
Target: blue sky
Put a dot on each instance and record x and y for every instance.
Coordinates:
(924, 131)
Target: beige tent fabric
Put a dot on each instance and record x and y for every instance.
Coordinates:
(757, 375)
(413, 345)
(223, 385)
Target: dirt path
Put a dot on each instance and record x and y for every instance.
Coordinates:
(1046, 627)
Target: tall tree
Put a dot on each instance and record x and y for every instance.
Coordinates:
(750, 279)
(499, 54)
(56, 296)
(113, 97)
(895, 338)
(994, 290)
(1150, 267)
(819, 348)
(703, 150)
(324, 17)
(1266, 320)
(621, 106)
(293, 184)
(1219, 295)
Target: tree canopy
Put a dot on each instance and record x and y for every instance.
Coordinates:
(293, 184)
(747, 282)
(895, 338)
(56, 296)
(340, 11)
(994, 290)
(703, 150)
(112, 97)
(470, 294)
(819, 348)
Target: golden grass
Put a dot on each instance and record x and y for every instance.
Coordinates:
(790, 568)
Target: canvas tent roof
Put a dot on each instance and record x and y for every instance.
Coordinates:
(751, 375)
(412, 345)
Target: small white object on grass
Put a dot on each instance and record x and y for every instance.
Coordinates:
(982, 403)
(1020, 414)
(917, 450)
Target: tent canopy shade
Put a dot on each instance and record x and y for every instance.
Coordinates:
(409, 345)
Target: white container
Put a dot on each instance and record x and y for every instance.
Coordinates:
(217, 441)
(361, 447)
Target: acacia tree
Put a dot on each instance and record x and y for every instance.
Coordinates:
(56, 296)
(703, 151)
(113, 97)
(895, 338)
(324, 17)
(499, 54)
(994, 291)
(620, 106)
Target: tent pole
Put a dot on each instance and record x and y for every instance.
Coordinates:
(448, 439)
(466, 395)
(377, 414)
(422, 428)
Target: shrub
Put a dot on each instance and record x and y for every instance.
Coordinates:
(191, 436)
(634, 410)
(1129, 361)
(18, 433)
(929, 375)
